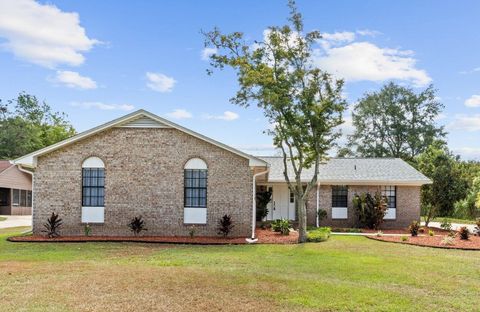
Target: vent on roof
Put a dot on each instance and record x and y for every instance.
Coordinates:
(144, 122)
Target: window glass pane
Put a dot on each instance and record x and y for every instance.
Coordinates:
(23, 198)
(16, 197)
(93, 186)
(195, 188)
(29, 198)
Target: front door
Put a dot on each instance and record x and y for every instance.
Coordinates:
(280, 207)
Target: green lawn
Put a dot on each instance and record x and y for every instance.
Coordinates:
(341, 274)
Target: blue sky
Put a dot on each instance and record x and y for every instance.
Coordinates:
(98, 60)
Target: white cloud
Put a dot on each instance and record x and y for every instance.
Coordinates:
(207, 52)
(74, 80)
(468, 152)
(104, 106)
(179, 114)
(227, 115)
(465, 123)
(160, 82)
(344, 36)
(359, 61)
(43, 34)
(368, 32)
(473, 101)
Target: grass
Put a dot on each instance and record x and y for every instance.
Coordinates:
(3, 218)
(452, 220)
(342, 274)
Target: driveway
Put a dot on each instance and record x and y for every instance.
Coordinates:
(455, 226)
(14, 221)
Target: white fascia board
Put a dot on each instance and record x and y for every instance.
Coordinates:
(360, 182)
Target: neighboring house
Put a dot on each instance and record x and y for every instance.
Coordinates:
(144, 165)
(15, 190)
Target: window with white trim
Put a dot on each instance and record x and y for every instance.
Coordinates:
(195, 184)
(339, 196)
(93, 182)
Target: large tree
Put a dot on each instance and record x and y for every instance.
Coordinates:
(448, 186)
(395, 122)
(27, 125)
(302, 102)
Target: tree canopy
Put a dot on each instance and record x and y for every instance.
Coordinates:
(302, 102)
(395, 122)
(27, 125)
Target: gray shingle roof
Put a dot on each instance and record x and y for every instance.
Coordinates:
(354, 170)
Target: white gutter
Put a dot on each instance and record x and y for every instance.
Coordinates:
(31, 173)
(318, 202)
(254, 206)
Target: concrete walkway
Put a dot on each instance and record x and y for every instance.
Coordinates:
(14, 221)
(455, 226)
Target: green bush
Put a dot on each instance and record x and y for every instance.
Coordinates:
(446, 225)
(414, 228)
(431, 233)
(370, 209)
(320, 234)
(464, 232)
(404, 238)
(281, 226)
(322, 214)
(346, 230)
(262, 199)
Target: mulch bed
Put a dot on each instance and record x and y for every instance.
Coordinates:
(396, 231)
(264, 237)
(473, 243)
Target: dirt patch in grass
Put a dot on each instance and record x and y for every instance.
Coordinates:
(473, 243)
(264, 237)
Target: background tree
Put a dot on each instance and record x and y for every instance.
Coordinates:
(440, 165)
(395, 122)
(468, 208)
(27, 125)
(303, 103)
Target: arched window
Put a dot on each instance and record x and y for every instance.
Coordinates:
(93, 182)
(195, 184)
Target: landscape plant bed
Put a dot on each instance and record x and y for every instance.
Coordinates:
(264, 237)
(390, 231)
(473, 243)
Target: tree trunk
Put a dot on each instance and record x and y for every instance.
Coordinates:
(302, 219)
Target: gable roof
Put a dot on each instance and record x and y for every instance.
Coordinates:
(4, 165)
(373, 171)
(137, 119)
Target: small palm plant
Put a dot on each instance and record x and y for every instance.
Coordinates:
(52, 226)
(225, 225)
(137, 225)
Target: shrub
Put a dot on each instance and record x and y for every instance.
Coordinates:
(414, 228)
(87, 230)
(322, 215)
(346, 230)
(317, 235)
(53, 225)
(262, 200)
(192, 230)
(448, 241)
(370, 209)
(446, 225)
(137, 225)
(464, 232)
(431, 233)
(404, 238)
(282, 226)
(225, 225)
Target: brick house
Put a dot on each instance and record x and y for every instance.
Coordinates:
(142, 164)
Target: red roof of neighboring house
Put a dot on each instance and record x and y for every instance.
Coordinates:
(4, 164)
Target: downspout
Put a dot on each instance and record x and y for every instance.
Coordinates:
(254, 206)
(318, 203)
(31, 173)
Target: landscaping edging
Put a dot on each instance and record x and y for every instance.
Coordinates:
(381, 239)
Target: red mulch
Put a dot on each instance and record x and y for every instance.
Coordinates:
(473, 243)
(406, 231)
(264, 237)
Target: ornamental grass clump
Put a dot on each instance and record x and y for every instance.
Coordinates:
(137, 225)
(53, 225)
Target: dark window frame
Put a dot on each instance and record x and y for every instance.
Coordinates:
(339, 196)
(93, 183)
(387, 191)
(195, 182)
